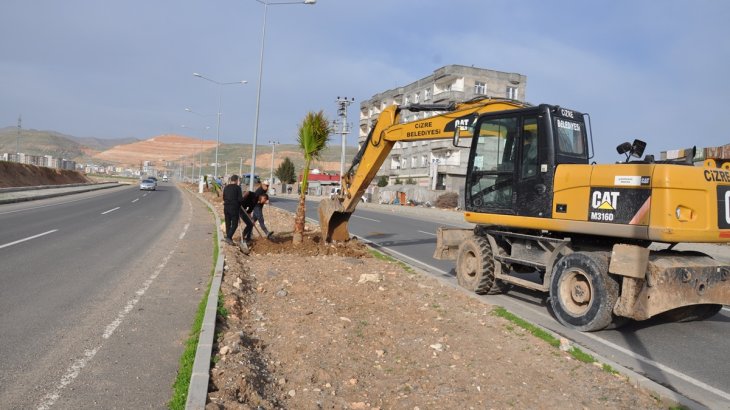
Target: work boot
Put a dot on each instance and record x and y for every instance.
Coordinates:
(229, 241)
(269, 235)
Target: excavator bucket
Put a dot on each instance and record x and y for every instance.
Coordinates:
(333, 220)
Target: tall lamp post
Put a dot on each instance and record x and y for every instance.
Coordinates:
(273, 151)
(261, 72)
(218, 128)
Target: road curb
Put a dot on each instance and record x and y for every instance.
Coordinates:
(198, 388)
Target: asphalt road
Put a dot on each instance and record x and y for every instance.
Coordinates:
(98, 293)
(689, 358)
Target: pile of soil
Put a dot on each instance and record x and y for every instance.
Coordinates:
(20, 175)
(336, 326)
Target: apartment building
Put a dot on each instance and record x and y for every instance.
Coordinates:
(436, 165)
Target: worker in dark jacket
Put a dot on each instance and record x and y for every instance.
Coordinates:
(262, 198)
(232, 200)
(249, 202)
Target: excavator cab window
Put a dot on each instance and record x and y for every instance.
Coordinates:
(490, 182)
(571, 144)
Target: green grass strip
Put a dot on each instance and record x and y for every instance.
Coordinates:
(534, 330)
(388, 258)
(549, 338)
(185, 371)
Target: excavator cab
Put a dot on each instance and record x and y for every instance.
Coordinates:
(513, 159)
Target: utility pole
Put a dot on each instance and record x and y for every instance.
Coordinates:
(342, 104)
(273, 151)
(17, 140)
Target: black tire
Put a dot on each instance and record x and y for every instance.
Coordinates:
(583, 294)
(475, 267)
(691, 313)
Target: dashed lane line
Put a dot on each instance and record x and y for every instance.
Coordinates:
(362, 217)
(28, 238)
(111, 210)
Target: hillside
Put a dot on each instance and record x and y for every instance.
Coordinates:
(37, 142)
(158, 150)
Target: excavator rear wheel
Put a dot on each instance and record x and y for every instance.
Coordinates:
(475, 267)
(582, 293)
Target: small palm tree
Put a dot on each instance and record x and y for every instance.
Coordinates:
(314, 132)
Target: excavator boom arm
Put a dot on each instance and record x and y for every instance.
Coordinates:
(335, 213)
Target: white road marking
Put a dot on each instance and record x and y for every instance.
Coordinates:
(135, 200)
(362, 217)
(111, 210)
(428, 233)
(661, 367)
(27, 239)
(73, 372)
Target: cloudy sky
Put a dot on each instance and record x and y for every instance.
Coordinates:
(654, 70)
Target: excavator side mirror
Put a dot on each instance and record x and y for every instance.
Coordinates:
(457, 135)
(623, 148)
(457, 131)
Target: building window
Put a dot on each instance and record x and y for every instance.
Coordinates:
(408, 100)
(416, 97)
(512, 92)
(424, 161)
(403, 163)
(414, 164)
(426, 94)
(480, 88)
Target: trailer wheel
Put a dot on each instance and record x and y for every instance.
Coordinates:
(582, 293)
(475, 267)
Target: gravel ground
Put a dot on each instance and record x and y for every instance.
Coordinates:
(323, 326)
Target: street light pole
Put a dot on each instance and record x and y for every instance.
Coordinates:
(218, 128)
(261, 73)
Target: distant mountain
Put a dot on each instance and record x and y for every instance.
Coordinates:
(37, 142)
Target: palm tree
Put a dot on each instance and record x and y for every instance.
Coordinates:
(314, 132)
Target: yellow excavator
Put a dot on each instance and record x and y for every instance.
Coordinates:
(597, 238)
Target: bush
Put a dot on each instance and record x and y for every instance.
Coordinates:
(382, 181)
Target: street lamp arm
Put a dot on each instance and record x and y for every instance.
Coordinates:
(312, 2)
(218, 82)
